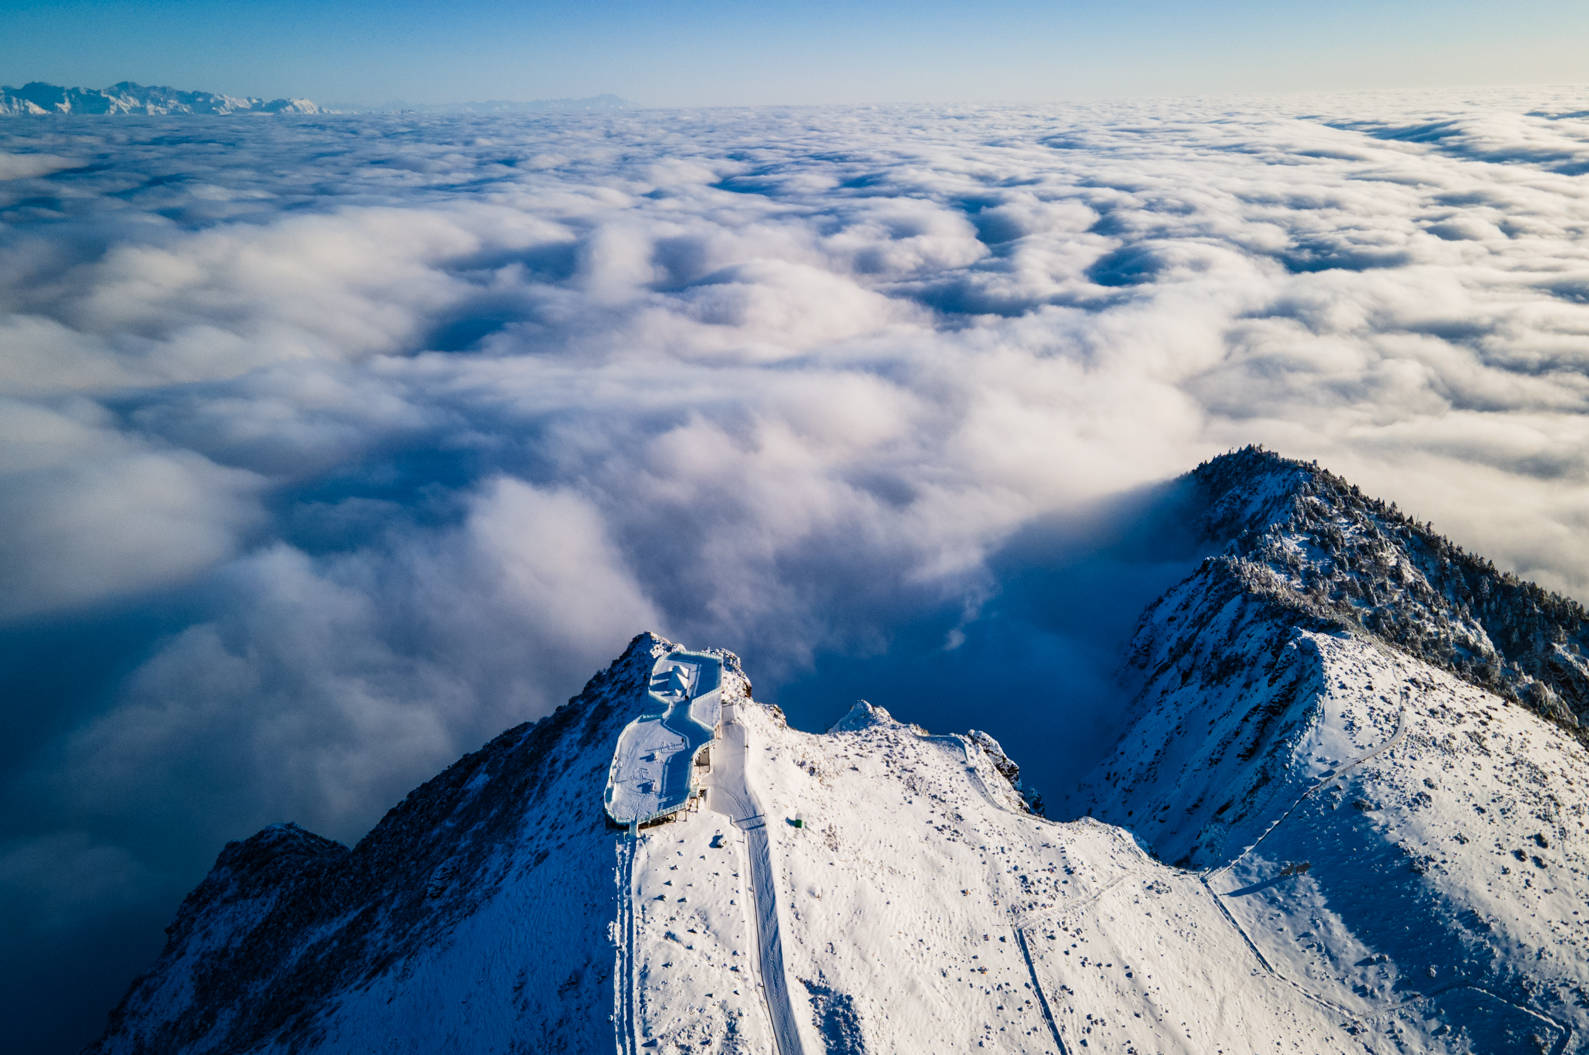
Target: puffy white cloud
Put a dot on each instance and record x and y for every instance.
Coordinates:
(322, 685)
(94, 513)
(30, 164)
(411, 423)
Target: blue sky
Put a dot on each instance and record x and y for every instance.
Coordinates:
(707, 52)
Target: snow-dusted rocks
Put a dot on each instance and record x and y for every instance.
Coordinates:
(1367, 742)
(1313, 544)
(860, 716)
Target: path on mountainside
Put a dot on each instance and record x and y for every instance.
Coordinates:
(624, 1024)
(1060, 911)
(1318, 785)
(1037, 989)
(1019, 918)
(731, 796)
(1558, 1048)
(1566, 1031)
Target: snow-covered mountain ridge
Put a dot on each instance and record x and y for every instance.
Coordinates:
(1310, 541)
(127, 97)
(1372, 853)
(1328, 729)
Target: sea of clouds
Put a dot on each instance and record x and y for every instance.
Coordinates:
(330, 447)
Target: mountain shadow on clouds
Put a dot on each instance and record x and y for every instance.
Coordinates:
(1040, 658)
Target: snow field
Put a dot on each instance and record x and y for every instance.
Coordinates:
(1451, 867)
(1404, 847)
(698, 984)
(906, 885)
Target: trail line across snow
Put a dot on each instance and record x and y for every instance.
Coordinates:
(733, 797)
(1037, 988)
(1317, 786)
(1396, 737)
(1057, 912)
(625, 1026)
(1018, 918)
(1559, 1048)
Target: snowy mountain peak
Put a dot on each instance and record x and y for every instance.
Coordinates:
(129, 97)
(273, 853)
(1308, 540)
(861, 716)
(1326, 729)
(1248, 490)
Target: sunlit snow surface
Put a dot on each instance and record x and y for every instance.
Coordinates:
(1403, 847)
(332, 446)
(919, 907)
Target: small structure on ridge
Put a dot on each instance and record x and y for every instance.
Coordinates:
(655, 763)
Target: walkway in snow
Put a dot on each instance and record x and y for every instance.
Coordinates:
(1018, 922)
(1318, 785)
(1037, 990)
(732, 797)
(625, 1026)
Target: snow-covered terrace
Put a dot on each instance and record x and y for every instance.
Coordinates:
(653, 765)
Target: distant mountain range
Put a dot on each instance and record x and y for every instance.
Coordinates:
(127, 97)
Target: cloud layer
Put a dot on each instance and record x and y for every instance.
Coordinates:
(338, 444)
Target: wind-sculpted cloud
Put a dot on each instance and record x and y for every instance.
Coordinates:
(332, 446)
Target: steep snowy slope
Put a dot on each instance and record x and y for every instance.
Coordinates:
(1319, 735)
(475, 917)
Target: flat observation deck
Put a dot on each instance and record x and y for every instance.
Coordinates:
(653, 765)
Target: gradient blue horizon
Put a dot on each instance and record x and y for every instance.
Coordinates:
(711, 52)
